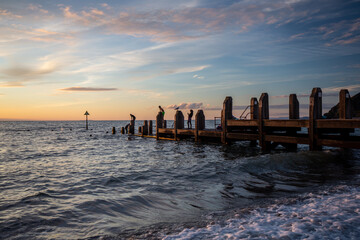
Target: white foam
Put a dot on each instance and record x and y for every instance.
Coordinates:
(334, 215)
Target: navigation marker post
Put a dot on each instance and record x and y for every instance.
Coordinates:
(87, 114)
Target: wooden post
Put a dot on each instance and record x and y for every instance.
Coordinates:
(254, 108)
(145, 128)
(87, 114)
(150, 128)
(178, 123)
(226, 114)
(113, 130)
(140, 130)
(345, 111)
(294, 113)
(122, 130)
(263, 114)
(254, 114)
(164, 124)
(132, 127)
(159, 123)
(199, 123)
(315, 112)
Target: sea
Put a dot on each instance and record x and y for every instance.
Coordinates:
(61, 181)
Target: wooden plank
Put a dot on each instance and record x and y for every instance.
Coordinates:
(290, 123)
(287, 139)
(190, 132)
(339, 143)
(209, 133)
(166, 130)
(243, 136)
(242, 123)
(338, 123)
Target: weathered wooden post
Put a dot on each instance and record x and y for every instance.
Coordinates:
(199, 123)
(254, 114)
(254, 108)
(178, 123)
(226, 114)
(145, 128)
(315, 112)
(122, 130)
(345, 111)
(294, 113)
(263, 114)
(140, 128)
(132, 126)
(159, 123)
(150, 127)
(113, 130)
(164, 124)
(87, 114)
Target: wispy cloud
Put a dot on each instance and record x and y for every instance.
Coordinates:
(186, 106)
(88, 89)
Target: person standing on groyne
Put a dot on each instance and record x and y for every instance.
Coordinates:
(189, 118)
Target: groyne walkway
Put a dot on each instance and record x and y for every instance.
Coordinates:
(315, 131)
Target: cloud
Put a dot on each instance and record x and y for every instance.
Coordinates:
(6, 13)
(38, 7)
(88, 89)
(188, 69)
(198, 77)
(185, 106)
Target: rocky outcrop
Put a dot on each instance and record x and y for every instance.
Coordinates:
(355, 105)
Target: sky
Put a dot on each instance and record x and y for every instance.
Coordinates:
(111, 58)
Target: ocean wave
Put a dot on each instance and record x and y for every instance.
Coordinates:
(326, 215)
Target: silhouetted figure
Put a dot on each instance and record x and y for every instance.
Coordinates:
(189, 118)
(162, 111)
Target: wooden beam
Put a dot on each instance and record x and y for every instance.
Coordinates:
(337, 123)
(315, 112)
(242, 123)
(243, 136)
(292, 123)
(294, 113)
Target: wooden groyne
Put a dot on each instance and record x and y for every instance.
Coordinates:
(269, 133)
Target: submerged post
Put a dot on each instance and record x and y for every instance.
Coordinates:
(87, 114)
(178, 123)
(199, 123)
(263, 114)
(315, 112)
(294, 113)
(345, 111)
(113, 130)
(122, 130)
(159, 123)
(226, 114)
